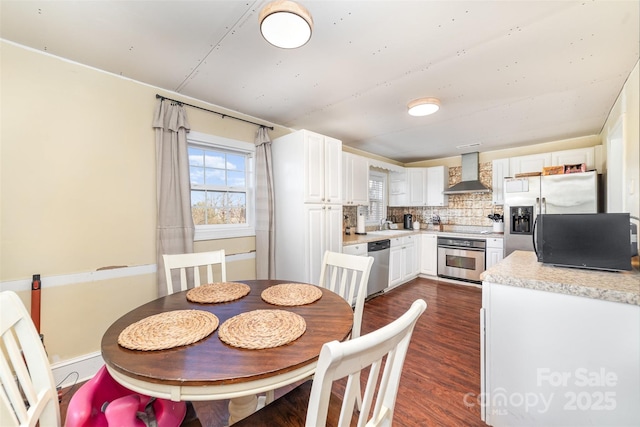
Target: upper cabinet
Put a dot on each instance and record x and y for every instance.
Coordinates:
(528, 164)
(500, 171)
(355, 177)
(573, 157)
(422, 187)
(417, 185)
(398, 188)
(323, 177)
(310, 167)
(437, 182)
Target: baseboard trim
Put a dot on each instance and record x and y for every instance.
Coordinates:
(86, 366)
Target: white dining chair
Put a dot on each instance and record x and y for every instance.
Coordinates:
(29, 396)
(348, 276)
(312, 404)
(189, 264)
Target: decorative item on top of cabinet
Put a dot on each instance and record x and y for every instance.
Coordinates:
(355, 178)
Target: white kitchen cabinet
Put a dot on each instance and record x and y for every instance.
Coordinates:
(527, 164)
(494, 251)
(361, 249)
(398, 188)
(576, 156)
(355, 174)
(324, 223)
(437, 178)
(323, 165)
(500, 170)
(403, 259)
(410, 257)
(417, 184)
(395, 262)
(429, 254)
(308, 211)
(550, 359)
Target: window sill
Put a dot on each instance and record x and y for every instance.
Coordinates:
(209, 234)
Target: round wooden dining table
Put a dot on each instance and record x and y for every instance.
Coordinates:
(210, 369)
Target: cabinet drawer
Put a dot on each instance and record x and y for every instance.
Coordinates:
(359, 249)
(494, 242)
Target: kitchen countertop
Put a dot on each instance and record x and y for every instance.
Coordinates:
(355, 239)
(522, 269)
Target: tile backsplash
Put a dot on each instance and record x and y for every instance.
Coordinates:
(463, 210)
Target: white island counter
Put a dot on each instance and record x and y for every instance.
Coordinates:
(560, 346)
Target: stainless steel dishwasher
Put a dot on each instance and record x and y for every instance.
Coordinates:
(379, 276)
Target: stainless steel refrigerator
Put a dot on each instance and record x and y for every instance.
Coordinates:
(525, 198)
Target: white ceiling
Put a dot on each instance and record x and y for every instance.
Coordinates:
(508, 73)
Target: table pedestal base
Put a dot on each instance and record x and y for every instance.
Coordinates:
(242, 407)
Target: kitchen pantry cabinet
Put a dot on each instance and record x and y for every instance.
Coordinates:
(403, 259)
(355, 177)
(308, 211)
(429, 254)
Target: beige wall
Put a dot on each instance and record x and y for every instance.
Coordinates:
(78, 191)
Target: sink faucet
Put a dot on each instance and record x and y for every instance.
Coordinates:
(383, 222)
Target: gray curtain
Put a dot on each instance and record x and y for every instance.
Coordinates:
(175, 230)
(265, 244)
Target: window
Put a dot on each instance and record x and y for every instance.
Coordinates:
(377, 199)
(221, 172)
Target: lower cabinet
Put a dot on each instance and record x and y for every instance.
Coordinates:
(403, 259)
(494, 251)
(429, 254)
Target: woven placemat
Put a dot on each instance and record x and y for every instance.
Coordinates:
(168, 330)
(290, 294)
(218, 292)
(260, 329)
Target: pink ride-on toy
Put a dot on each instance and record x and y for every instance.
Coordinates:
(102, 402)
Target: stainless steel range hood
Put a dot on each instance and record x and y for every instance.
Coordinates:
(470, 177)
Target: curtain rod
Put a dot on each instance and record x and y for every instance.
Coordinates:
(214, 112)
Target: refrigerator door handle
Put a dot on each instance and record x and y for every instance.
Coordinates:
(543, 206)
(537, 207)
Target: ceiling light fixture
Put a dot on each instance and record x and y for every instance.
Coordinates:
(285, 24)
(423, 106)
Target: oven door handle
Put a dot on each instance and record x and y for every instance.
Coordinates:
(462, 248)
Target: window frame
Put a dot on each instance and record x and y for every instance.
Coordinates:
(227, 231)
(383, 177)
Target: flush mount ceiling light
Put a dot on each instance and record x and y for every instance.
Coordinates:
(423, 106)
(285, 24)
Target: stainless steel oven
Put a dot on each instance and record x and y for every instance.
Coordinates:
(460, 258)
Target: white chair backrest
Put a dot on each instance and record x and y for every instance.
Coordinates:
(193, 261)
(348, 276)
(341, 359)
(28, 391)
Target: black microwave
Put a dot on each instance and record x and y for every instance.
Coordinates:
(594, 241)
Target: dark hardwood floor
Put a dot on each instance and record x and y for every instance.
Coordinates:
(442, 365)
